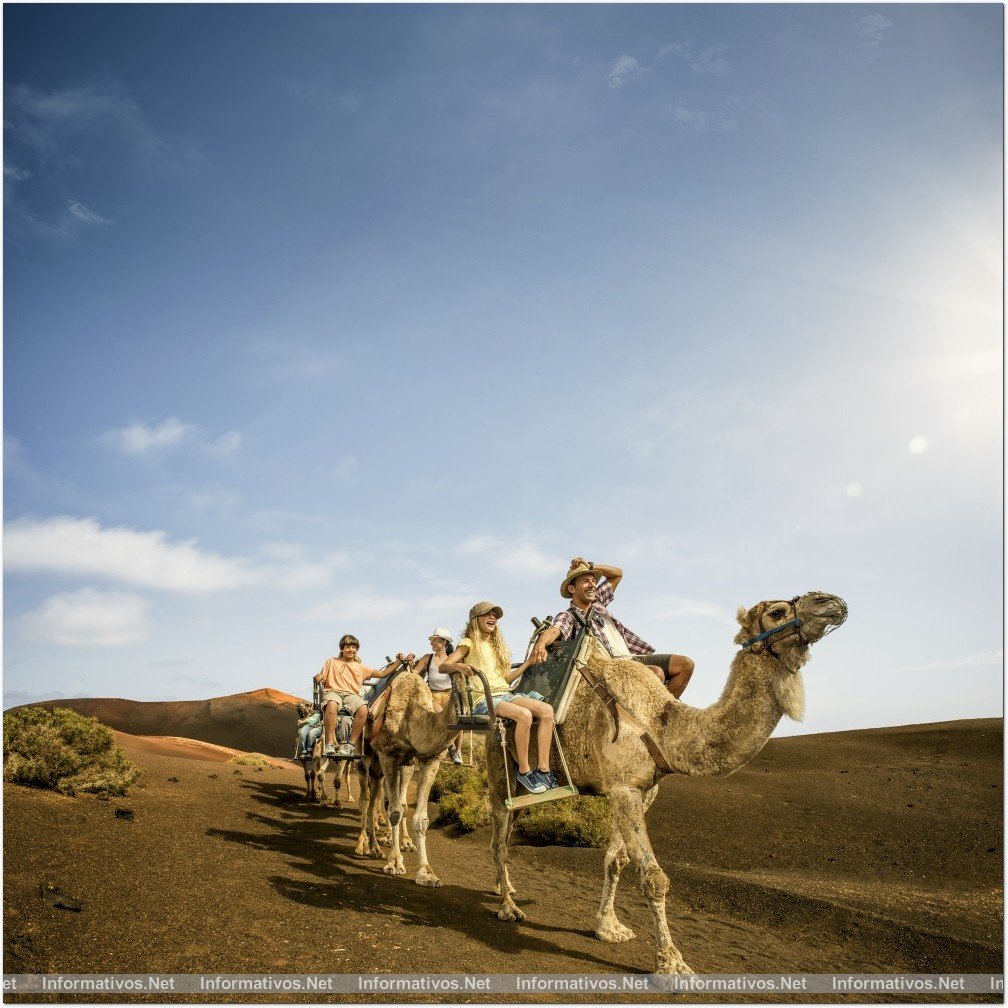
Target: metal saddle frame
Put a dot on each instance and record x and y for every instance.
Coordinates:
(550, 681)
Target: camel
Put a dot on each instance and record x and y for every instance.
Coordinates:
(764, 684)
(315, 770)
(319, 765)
(414, 726)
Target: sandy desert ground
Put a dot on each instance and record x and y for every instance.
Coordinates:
(870, 851)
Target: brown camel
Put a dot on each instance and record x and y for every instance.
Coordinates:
(414, 727)
(764, 684)
(315, 770)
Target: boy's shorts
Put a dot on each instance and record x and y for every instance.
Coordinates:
(350, 702)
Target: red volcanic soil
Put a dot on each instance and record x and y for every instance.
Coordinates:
(874, 851)
(181, 748)
(263, 720)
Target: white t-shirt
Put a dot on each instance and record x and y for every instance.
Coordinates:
(436, 679)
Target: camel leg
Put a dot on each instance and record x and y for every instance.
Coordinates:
(338, 778)
(393, 792)
(405, 777)
(428, 771)
(501, 821)
(319, 776)
(628, 812)
(370, 789)
(607, 926)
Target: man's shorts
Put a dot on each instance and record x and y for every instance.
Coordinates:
(350, 702)
(661, 660)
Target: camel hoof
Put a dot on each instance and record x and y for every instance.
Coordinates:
(394, 868)
(614, 933)
(673, 966)
(428, 878)
(408, 845)
(510, 913)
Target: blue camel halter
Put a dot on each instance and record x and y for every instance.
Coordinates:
(796, 623)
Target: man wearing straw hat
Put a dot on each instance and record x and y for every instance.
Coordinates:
(591, 587)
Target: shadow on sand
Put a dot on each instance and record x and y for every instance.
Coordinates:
(320, 840)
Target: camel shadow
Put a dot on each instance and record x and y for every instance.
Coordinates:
(317, 842)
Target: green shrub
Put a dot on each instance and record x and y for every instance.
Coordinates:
(461, 794)
(63, 751)
(584, 821)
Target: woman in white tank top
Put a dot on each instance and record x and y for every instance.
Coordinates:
(429, 667)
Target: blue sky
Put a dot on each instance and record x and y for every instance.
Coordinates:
(339, 318)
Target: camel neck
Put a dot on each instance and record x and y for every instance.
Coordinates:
(723, 737)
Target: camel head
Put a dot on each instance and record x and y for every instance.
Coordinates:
(783, 630)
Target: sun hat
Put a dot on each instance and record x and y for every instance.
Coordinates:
(573, 574)
(482, 608)
(439, 631)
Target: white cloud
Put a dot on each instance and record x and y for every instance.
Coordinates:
(225, 444)
(50, 130)
(346, 468)
(625, 67)
(363, 605)
(141, 439)
(693, 118)
(88, 618)
(517, 557)
(661, 607)
(698, 120)
(285, 362)
(291, 569)
(80, 546)
(703, 61)
(85, 214)
(871, 28)
(45, 121)
(223, 501)
(979, 660)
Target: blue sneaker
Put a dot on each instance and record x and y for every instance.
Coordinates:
(546, 776)
(532, 782)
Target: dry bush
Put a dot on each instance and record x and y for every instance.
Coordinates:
(253, 760)
(63, 751)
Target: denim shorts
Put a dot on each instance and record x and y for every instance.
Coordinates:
(481, 708)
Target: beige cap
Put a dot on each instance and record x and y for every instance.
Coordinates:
(482, 608)
(573, 574)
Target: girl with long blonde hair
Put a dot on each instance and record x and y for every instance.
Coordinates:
(483, 647)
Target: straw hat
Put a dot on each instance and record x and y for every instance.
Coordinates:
(441, 632)
(574, 573)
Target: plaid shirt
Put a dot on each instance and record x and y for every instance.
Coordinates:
(566, 622)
